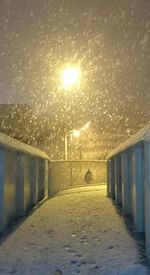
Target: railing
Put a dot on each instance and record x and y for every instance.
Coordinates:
(24, 176)
(129, 184)
(67, 174)
(27, 176)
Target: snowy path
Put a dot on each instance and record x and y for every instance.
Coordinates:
(77, 233)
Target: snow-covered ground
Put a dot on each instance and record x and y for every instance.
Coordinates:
(75, 233)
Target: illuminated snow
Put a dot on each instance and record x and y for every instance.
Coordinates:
(11, 143)
(143, 134)
(78, 232)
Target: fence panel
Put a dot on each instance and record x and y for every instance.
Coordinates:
(22, 184)
(67, 174)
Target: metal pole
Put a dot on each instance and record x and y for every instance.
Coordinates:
(80, 147)
(71, 141)
(66, 147)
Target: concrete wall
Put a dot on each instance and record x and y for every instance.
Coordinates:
(66, 174)
(23, 182)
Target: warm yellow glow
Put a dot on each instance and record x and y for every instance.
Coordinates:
(70, 77)
(86, 126)
(76, 133)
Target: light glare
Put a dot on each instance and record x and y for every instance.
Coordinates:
(76, 133)
(70, 77)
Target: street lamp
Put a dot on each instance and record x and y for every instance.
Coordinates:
(70, 77)
(83, 128)
(76, 134)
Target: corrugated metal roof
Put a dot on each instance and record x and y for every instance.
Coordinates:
(14, 144)
(143, 134)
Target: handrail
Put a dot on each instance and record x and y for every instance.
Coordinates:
(13, 144)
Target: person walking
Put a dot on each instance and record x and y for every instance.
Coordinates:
(88, 177)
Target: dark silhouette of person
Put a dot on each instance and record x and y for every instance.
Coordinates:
(88, 177)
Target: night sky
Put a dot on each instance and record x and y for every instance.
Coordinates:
(109, 40)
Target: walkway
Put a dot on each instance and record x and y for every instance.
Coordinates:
(77, 233)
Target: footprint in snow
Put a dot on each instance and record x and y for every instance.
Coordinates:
(79, 256)
(110, 247)
(90, 225)
(58, 272)
(67, 247)
(50, 232)
(13, 271)
(96, 239)
(73, 235)
(72, 251)
(74, 261)
(84, 241)
(90, 264)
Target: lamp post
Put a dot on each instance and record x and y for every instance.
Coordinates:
(70, 77)
(66, 146)
(78, 134)
(75, 133)
(82, 129)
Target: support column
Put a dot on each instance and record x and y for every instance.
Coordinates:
(138, 190)
(112, 179)
(108, 178)
(41, 179)
(118, 187)
(34, 180)
(3, 214)
(126, 190)
(49, 178)
(10, 185)
(147, 197)
(20, 202)
(46, 177)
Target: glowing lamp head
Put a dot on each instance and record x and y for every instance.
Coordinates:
(76, 133)
(70, 77)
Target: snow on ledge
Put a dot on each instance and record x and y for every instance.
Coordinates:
(143, 134)
(16, 145)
